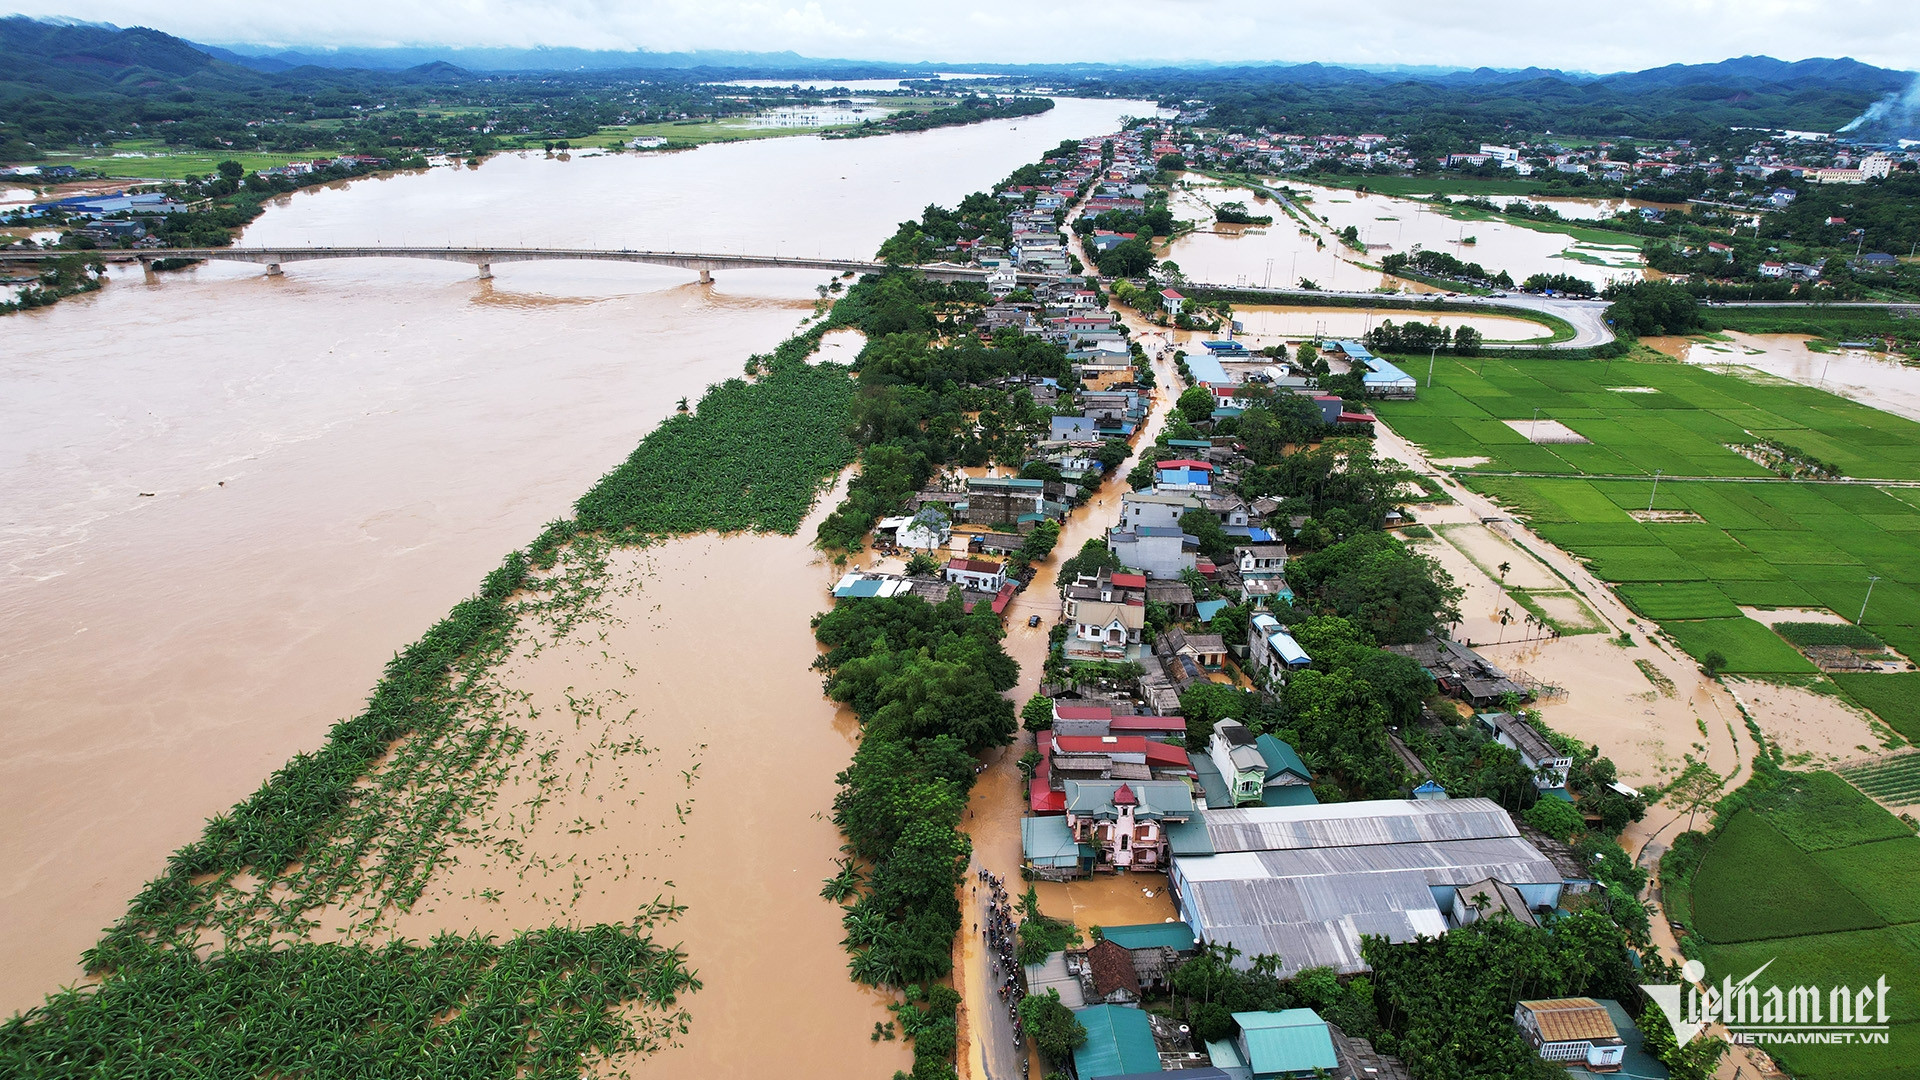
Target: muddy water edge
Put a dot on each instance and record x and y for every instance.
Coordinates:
(336, 457)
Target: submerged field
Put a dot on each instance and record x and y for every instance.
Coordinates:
(1726, 528)
(1815, 878)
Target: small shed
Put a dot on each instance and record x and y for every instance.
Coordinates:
(1288, 1043)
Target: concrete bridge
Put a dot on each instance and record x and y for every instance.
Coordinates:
(274, 258)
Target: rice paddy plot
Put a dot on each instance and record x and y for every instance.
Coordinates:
(1747, 647)
(1678, 600)
(1755, 884)
(1813, 881)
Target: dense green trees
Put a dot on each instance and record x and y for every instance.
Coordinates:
(1055, 1031)
(924, 681)
(1129, 258)
(1339, 486)
(1652, 307)
(1447, 1003)
(1398, 595)
(1196, 403)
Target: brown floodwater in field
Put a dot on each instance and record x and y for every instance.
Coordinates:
(1280, 254)
(229, 499)
(1883, 380)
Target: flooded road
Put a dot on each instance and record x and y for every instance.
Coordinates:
(230, 499)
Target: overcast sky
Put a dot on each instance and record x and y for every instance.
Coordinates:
(1613, 36)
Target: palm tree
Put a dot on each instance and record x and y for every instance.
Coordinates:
(1503, 568)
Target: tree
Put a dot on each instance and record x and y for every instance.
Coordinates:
(1037, 713)
(1055, 1031)
(1040, 542)
(1715, 662)
(1093, 557)
(1555, 817)
(1215, 544)
(1196, 404)
(922, 565)
(1652, 307)
(1697, 786)
(1171, 163)
(1695, 1061)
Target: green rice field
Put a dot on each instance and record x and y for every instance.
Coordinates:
(1728, 532)
(1817, 879)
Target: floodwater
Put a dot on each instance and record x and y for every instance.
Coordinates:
(723, 805)
(229, 499)
(1873, 378)
(1280, 254)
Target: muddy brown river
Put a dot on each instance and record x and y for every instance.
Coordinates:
(229, 499)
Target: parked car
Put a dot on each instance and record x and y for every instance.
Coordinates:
(1033, 620)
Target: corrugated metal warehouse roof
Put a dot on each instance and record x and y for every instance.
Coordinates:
(1382, 821)
(1307, 882)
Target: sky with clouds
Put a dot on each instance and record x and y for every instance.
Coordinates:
(1613, 36)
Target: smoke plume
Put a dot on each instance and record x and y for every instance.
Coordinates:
(1892, 117)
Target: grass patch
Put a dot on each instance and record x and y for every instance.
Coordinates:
(1894, 697)
(1756, 884)
(150, 159)
(1749, 647)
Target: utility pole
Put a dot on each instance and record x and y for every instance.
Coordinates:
(1656, 490)
(1871, 578)
(1430, 358)
(1534, 429)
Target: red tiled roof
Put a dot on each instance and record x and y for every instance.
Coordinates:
(1101, 744)
(1039, 798)
(1083, 712)
(1004, 597)
(1183, 463)
(1130, 581)
(1165, 755)
(977, 566)
(1169, 294)
(1124, 796)
(1149, 723)
(1112, 967)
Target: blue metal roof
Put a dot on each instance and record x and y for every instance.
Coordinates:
(1206, 369)
(1209, 608)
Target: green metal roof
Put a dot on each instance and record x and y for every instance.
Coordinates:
(1157, 797)
(1189, 837)
(1288, 795)
(1174, 935)
(1281, 758)
(1211, 785)
(1046, 841)
(1119, 1041)
(1286, 1043)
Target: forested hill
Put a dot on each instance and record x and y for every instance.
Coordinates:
(1679, 101)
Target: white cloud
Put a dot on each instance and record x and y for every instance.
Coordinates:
(1619, 35)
